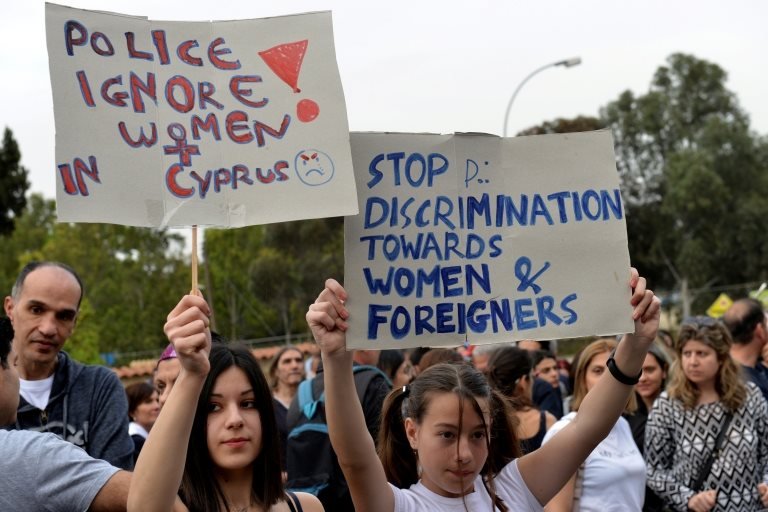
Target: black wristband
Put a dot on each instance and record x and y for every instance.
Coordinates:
(621, 376)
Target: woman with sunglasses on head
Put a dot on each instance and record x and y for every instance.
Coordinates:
(706, 440)
(446, 442)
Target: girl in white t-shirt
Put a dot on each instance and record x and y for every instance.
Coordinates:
(443, 442)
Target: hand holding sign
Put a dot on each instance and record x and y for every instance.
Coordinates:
(327, 319)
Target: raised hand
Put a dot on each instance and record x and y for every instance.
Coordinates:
(188, 328)
(327, 319)
(647, 308)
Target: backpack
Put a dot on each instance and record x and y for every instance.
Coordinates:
(310, 460)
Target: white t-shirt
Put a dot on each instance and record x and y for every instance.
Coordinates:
(36, 392)
(614, 473)
(136, 429)
(509, 486)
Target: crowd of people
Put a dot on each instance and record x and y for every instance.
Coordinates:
(651, 422)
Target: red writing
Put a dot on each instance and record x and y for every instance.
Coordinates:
(185, 184)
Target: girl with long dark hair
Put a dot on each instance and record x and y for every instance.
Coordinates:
(214, 447)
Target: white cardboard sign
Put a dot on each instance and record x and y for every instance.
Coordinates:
(164, 123)
(478, 239)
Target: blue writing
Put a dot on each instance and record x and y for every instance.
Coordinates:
(523, 315)
(469, 175)
(523, 267)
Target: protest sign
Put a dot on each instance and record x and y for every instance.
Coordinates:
(232, 123)
(474, 238)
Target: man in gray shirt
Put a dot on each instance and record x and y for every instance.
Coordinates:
(42, 472)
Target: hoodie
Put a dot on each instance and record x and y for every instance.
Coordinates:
(87, 407)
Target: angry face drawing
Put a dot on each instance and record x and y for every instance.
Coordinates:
(314, 167)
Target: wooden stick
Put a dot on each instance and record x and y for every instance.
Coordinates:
(195, 290)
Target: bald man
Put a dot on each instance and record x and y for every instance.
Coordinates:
(85, 405)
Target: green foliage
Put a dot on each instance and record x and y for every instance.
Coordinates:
(694, 177)
(263, 287)
(33, 228)
(13, 183)
(132, 276)
(83, 345)
(227, 258)
(560, 125)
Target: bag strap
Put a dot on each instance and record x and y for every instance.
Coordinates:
(307, 403)
(362, 367)
(364, 374)
(707, 467)
(306, 396)
(293, 502)
(362, 381)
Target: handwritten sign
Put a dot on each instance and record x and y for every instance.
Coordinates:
(232, 123)
(481, 239)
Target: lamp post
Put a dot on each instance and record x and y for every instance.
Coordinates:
(575, 61)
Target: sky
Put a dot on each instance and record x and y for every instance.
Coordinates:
(438, 66)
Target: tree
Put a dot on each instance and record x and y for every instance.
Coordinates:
(228, 254)
(84, 343)
(263, 287)
(13, 183)
(132, 278)
(33, 229)
(562, 125)
(694, 179)
(291, 268)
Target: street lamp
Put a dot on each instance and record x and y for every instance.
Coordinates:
(575, 61)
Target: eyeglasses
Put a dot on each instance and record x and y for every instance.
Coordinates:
(700, 321)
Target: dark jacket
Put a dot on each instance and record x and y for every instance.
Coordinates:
(87, 407)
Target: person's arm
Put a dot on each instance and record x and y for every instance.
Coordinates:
(353, 445)
(109, 439)
(113, 496)
(563, 500)
(160, 466)
(601, 408)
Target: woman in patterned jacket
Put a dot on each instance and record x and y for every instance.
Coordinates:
(706, 388)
